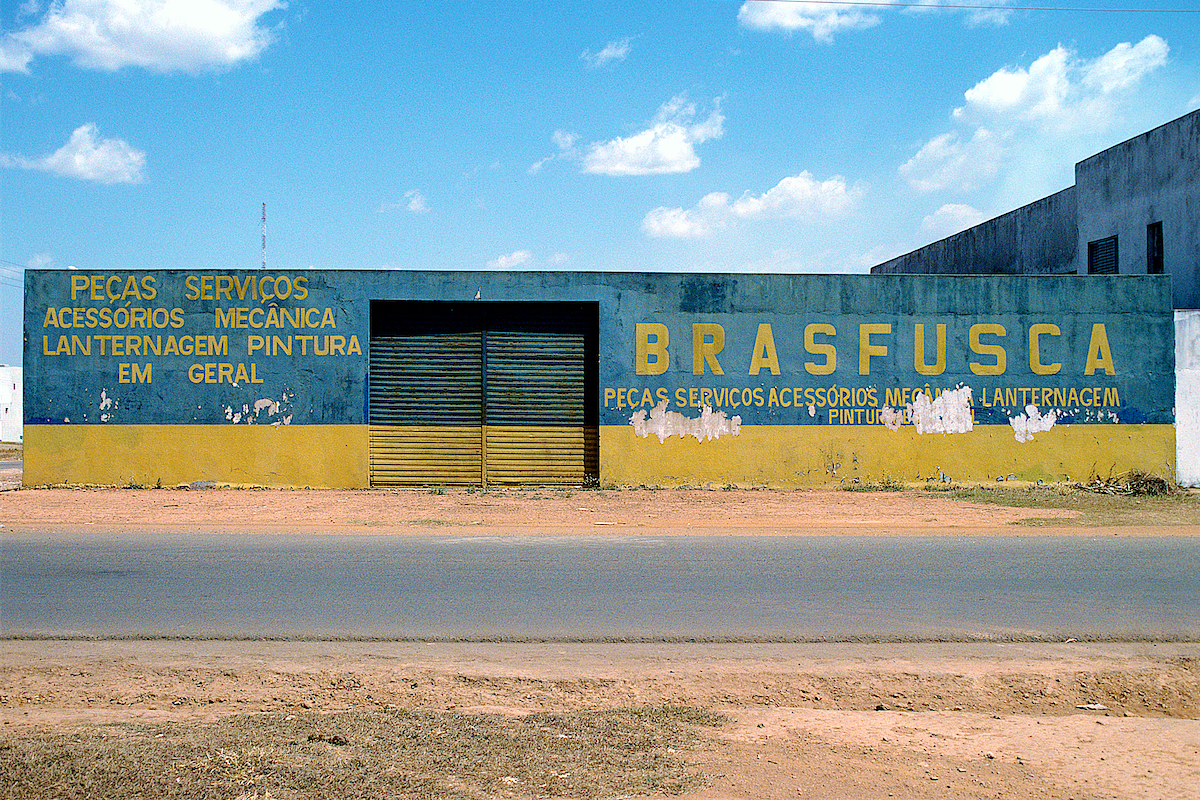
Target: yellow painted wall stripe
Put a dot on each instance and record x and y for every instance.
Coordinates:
(263, 455)
(807, 456)
(777, 456)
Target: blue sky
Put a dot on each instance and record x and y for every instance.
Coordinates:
(705, 136)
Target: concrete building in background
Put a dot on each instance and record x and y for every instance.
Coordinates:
(1134, 210)
(11, 413)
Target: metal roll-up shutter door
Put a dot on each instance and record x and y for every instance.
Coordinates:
(534, 429)
(426, 399)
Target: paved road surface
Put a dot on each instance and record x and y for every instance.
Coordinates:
(592, 588)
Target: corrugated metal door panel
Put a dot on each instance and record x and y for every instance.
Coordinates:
(448, 455)
(433, 379)
(535, 378)
(538, 455)
(534, 408)
(426, 398)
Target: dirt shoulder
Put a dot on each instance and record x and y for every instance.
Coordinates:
(258, 720)
(830, 720)
(598, 512)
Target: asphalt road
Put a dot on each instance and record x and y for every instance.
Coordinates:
(584, 588)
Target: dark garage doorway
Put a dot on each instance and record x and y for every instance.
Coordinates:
(482, 392)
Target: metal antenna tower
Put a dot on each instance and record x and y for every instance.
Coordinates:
(264, 236)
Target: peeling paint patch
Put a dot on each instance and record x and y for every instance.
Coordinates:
(664, 424)
(1026, 425)
(105, 401)
(891, 418)
(262, 411)
(949, 413)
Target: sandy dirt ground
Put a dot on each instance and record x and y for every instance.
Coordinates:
(852, 721)
(548, 512)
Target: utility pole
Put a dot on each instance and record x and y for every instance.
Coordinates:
(264, 236)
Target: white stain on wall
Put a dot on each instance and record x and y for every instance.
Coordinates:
(1026, 425)
(665, 424)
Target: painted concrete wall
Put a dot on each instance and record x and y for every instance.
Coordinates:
(1154, 177)
(11, 413)
(1037, 239)
(781, 380)
(1187, 396)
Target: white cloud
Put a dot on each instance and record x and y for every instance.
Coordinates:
(667, 146)
(511, 260)
(413, 201)
(952, 218)
(821, 20)
(160, 35)
(1126, 64)
(1041, 91)
(83, 156)
(678, 223)
(416, 202)
(1040, 108)
(988, 17)
(14, 57)
(613, 53)
(800, 197)
(566, 149)
(945, 162)
(1058, 86)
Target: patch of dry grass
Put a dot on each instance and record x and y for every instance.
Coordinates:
(1129, 500)
(428, 755)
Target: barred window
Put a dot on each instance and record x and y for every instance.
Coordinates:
(1102, 256)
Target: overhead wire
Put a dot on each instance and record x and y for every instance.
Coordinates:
(9, 276)
(980, 7)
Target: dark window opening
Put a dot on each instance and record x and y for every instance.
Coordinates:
(408, 317)
(1102, 256)
(1154, 249)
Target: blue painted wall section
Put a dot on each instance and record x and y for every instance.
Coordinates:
(217, 348)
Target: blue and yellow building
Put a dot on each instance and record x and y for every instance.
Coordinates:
(353, 378)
